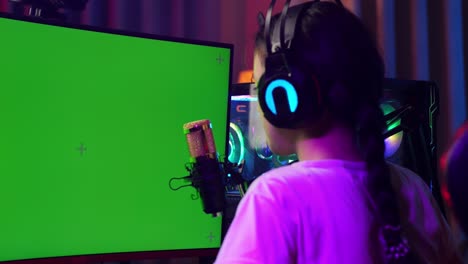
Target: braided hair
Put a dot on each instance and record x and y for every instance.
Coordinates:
(335, 45)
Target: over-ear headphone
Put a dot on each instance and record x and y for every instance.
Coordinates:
(287, 93)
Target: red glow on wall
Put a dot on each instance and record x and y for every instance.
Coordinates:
(3, 6)
(112, 14)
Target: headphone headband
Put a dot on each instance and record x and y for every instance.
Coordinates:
(282, 35)
(268, 25)
(284, 13)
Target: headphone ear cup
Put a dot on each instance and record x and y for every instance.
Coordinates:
(279, 100)
(287, 100)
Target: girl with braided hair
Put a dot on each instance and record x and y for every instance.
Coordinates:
(341, 202)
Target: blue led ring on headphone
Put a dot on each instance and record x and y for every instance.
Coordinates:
(291, 94)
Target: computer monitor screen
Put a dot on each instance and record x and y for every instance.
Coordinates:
(92, 132)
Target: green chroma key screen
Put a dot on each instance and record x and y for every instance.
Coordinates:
(91, 133)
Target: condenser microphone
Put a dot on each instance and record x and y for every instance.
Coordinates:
(207, 172)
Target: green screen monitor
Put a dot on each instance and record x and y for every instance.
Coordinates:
(91, 132)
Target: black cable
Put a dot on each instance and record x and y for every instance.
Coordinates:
(397, 114)
(179, 178)
(393, 131)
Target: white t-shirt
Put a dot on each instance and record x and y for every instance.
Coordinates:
(320, 212)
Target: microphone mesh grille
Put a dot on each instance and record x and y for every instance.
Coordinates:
(200, 138)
